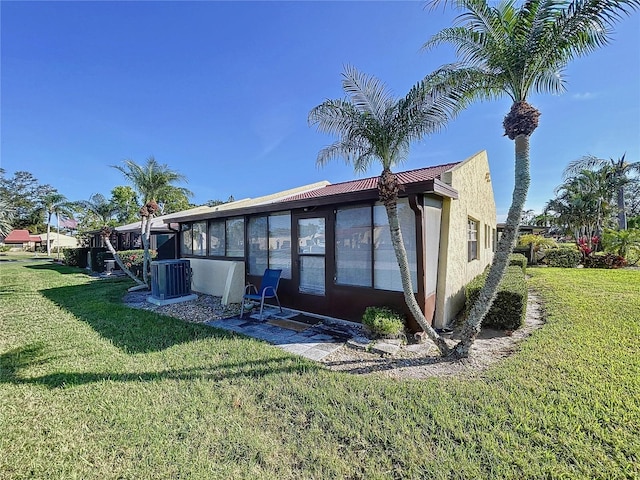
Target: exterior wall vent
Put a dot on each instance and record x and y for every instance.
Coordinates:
(170, 279)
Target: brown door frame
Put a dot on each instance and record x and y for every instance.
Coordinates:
(316, 303)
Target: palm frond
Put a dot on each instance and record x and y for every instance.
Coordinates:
(367, 93)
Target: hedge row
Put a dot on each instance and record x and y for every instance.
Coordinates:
(510, 306)
(565, 257)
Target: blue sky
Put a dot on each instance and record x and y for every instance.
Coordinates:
(220, 91)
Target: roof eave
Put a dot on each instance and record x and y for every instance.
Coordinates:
(433, 186)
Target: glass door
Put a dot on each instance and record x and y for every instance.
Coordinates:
(311, 255)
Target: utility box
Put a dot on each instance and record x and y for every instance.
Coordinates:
(170, 279)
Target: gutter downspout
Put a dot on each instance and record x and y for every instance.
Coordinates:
(416, 206)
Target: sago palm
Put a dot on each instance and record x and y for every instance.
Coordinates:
(373, 127)
(516, 49)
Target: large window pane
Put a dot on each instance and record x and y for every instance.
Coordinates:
(280, 243)
(258, 253)
(199, 232)
(235, 237)
(311, 235)
(186, 243)
(353, 246)
(386, 274)
(312, 275)
(216, 238)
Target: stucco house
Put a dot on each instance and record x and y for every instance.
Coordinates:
(333, 245)
(22, 240)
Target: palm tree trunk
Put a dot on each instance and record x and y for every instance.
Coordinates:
(48, 234)
(405, 276)
(58, 235)
(505, 247)
(119, 261)
(622, 212)
(146, 236)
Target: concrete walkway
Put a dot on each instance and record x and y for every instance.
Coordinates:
(313, 341)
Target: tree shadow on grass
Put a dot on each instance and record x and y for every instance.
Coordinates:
(63, 269)
(132, 330)
(13, 362)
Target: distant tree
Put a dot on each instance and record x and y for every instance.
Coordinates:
(214, 203)
(6, 217)
(155, 184)
(374, 127)
(126, 204)
(24, 194)
(622, 175)
(175, 200)
(516, 49)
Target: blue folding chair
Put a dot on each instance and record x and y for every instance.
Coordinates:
(268, 289)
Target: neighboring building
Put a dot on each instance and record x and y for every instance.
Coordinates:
(56, 239)
(22, 240)
(333, 245)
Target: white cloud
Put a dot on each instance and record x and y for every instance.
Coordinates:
(583, 96)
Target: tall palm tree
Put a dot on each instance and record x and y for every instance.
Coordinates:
(55, 204)
(516, 49)
(103, 211)
(373, 127)
(154, 183)
(622, 171)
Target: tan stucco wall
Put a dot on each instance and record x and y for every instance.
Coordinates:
(219, 278)
(472, 180)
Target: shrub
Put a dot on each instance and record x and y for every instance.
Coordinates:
(565, 257)
(383, 321)
(518, 260)
(607, 260)
(73, 256)
(510, 306)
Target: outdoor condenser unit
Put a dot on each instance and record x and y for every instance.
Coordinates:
(170, 279)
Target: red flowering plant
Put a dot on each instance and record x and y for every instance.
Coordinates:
(588, 245)
(133, 260)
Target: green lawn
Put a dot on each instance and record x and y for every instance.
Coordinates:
(92, 389)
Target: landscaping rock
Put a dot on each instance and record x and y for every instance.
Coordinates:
(385, 348)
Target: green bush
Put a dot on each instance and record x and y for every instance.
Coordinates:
(565, 257)
(510, 306)
(72, 256)
(383, 321)
(518, 260)
(606, 260)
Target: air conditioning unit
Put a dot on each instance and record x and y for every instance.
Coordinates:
(170, 279)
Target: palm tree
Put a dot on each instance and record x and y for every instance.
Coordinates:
(621, 170)
(373, 126)
(103, 211)
(516, 49)
(154, 184)
(55, 203)
(583, 204)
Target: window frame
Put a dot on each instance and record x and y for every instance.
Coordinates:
(473, 226)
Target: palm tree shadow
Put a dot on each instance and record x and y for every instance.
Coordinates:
(14, 362)
(99, 305)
